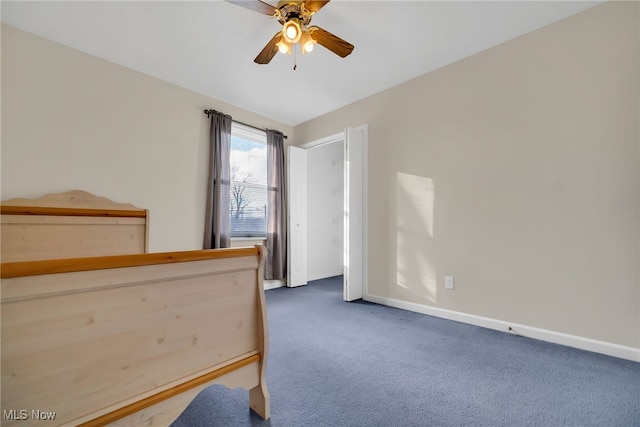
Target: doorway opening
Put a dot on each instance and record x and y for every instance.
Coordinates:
(327, 211)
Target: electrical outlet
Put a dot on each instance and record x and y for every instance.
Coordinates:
(448, 282)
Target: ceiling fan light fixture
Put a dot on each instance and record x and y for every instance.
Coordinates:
(284, 47)
(306, 42)
(292, 31)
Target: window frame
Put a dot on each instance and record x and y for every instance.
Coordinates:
(247, 133)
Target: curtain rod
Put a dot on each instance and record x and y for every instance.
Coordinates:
(209, 112)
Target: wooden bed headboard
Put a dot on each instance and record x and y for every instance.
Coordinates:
(71, 224)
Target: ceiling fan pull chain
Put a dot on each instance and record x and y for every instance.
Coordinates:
(295, 59)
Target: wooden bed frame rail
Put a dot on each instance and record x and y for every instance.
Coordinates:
(131, 339)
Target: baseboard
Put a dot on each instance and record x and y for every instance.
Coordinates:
(273, 284)
(603, 347)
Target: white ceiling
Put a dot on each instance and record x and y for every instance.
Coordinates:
(209, 46)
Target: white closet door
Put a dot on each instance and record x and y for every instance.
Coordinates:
(297, 236)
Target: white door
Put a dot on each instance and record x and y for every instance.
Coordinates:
(297, 236)
(354, 214)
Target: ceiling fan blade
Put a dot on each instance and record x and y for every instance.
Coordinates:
(269, 51)
(255, 5)
(335, 44)
(315, 5)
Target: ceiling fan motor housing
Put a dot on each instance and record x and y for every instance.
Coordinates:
(287, 10)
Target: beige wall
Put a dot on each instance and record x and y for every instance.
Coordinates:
(516, 171)
(70, 120)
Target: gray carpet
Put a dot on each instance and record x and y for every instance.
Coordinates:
(334, 363)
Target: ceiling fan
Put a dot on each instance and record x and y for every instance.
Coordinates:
(295, 17)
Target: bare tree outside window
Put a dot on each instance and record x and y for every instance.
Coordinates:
(238, 199)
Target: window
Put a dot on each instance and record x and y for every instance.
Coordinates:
(248, 193)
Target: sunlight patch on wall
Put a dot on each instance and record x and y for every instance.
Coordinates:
(416, 272)
(417, 195)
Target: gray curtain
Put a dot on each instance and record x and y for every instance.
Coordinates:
(217, 228)
(276, 262)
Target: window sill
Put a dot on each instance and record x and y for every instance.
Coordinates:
(248, 238)
(237, 242)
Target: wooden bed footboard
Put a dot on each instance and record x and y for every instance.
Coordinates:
(130, 339)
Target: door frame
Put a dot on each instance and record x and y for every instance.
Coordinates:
(362, 188)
